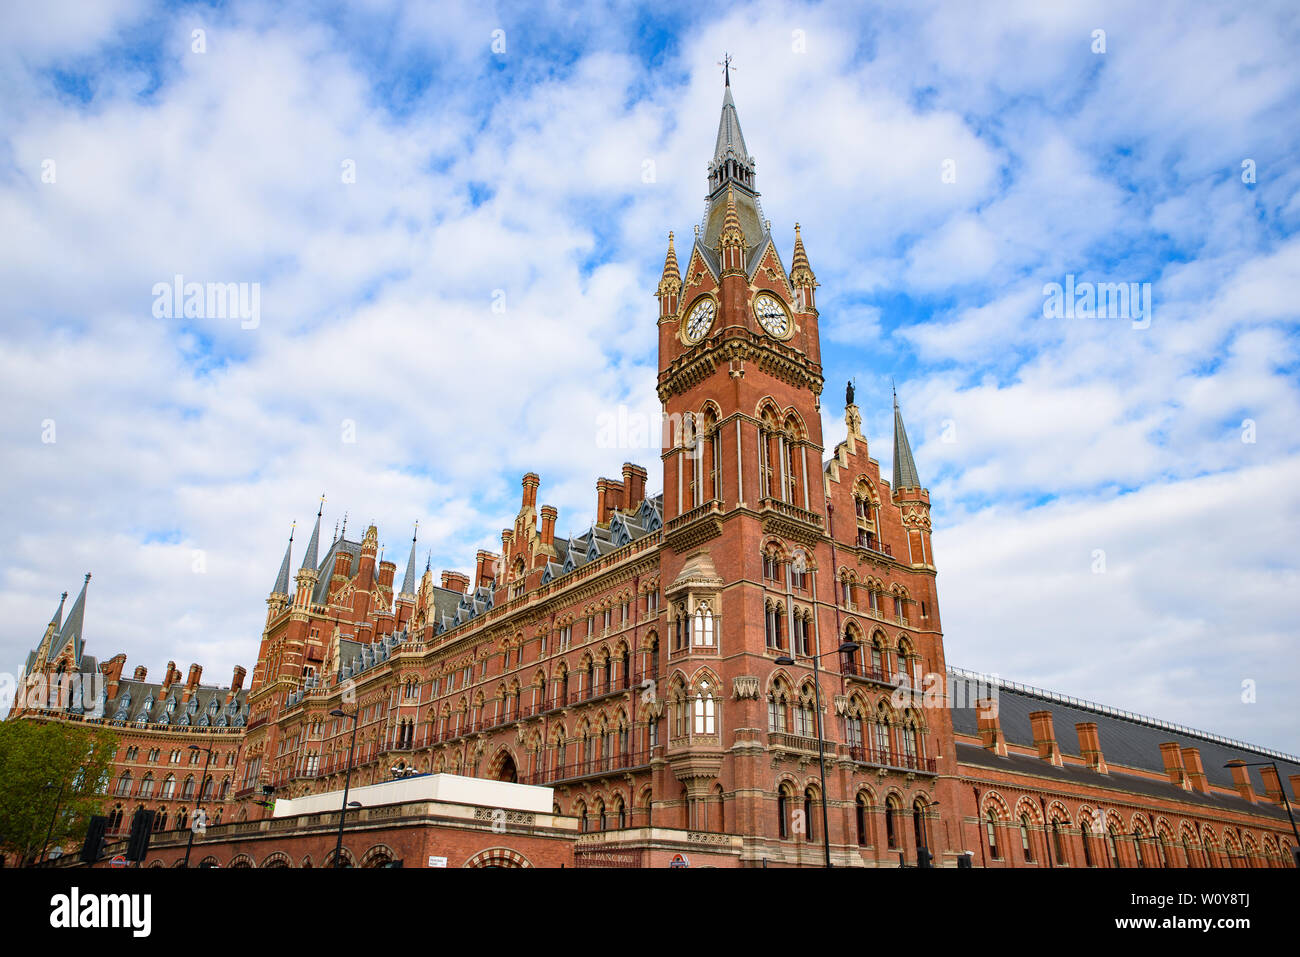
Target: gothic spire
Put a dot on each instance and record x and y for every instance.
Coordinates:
(57, 620)
(732, 233)
(731, 141)
(408, 583)
(71, 630)
(282, 579)
(904, 465)
(309, 559)
(799, 265)
(671, 280)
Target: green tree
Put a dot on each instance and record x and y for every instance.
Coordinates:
(44, 765)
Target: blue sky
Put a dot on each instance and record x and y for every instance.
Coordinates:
(543, 177)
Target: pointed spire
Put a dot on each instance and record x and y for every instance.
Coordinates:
(282, 579)
(309, 559)
(799, 266)
(732, 233)
(72, 627)
(731, 141)
(904, 465)
(408, 582)
(57, 620)
(671, 280)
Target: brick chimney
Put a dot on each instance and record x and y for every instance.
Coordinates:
(531, 481)
(237, 679)
(990, 726)
(1272, 783)
(456, 581)
(1172, 754)
(1241, 780)
(609, 496)
(549, 514)
(386, 572)
(192, 682)
(112, 672)
(1045, 736)
(483, 574)
(1195, 770)
(1090, 746)
(1295, 786)
(141, 672)
(171, 677)
(634, 477)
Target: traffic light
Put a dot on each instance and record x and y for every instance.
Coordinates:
(94, 846)
(141, 830)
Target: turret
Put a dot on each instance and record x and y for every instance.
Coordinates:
(912, 499)
(306, 579)
(670, 283)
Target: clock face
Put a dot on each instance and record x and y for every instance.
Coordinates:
(772, 316)
(700, 319)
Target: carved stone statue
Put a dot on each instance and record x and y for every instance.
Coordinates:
(848, 393)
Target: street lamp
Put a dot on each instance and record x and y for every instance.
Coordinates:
(925, 839)
(1290, 816)
(846, 648)
(347, 782)
(198, 808)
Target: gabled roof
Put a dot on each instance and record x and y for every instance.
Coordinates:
(71, 630)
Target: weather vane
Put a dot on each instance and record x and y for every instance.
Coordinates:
(725, 63)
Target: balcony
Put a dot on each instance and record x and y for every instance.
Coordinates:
(851, 669)
(791, 521)
(891, 759)
(603, 764)
(795, 742)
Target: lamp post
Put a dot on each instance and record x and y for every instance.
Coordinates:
(1276, 771)
(844, 648)
(925, 837)
(347, 781)
(53, 817)
(198, 808)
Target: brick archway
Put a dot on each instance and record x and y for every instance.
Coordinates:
(498, 857)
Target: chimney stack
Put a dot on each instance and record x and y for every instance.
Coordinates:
(1090, 746)
(456, 581)
(486, 568)
(141, 672)
(387, 570)
(634, 478)
(609, 496)
(1172, 754)
(1045, 736)
(549, 514)
(237, 679)
(1195, 770)
(990, 726)
(1241, 780)
(1272, 783)
(1295, 788)
(531, 481)
(171, 677)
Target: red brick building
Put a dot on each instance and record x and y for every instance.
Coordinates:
(658, 670)
(165, 729)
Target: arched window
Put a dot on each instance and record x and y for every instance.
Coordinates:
(146, 786)
(1112, 845)
(1137, 848)
(809, 797)
(991, 831)
(776, 710)
(1058, 843)
(892, 812)
(1024, 838)
(860, 819)
(783, 811)
(703, 630)
(1188, 857)
(168, 788)
(704, 717)
(1085, 835)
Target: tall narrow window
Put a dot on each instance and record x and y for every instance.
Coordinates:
(1024, 838)
(991, 830)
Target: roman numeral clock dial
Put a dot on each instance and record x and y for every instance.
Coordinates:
(772, 316)
(700, 319)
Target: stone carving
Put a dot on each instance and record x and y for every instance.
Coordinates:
(744, 686)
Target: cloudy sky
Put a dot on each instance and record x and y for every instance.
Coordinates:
(456, 217)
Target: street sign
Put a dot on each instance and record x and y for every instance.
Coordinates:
(118, 861)
(679, 860)
(437, 861)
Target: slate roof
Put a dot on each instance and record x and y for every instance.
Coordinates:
(905, 475)
(145, 702)
(1127, 739)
